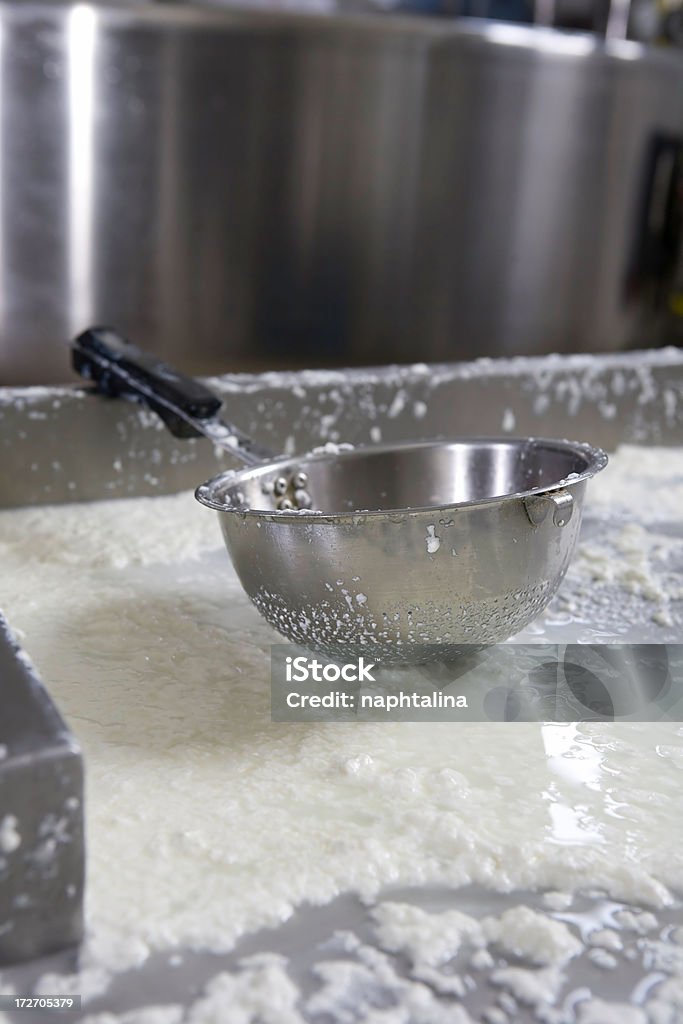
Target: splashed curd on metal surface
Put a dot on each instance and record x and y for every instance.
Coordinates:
(214, 821)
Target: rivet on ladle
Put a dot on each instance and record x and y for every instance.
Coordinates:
(302, 498)
(538, 506)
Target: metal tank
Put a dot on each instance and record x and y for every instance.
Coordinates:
(247, 189)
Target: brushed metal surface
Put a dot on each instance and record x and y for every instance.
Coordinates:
(240, 189)
(65, 444)
(41, 791)
(307, 939)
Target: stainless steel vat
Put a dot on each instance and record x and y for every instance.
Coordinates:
(236, 189)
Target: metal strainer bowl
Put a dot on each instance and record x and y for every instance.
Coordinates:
(413, 551)
(407, 553)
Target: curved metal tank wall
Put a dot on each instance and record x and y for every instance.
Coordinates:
(240, 190)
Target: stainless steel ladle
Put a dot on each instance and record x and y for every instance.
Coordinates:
(404, 552)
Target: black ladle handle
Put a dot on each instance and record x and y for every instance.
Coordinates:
(119, 368)
(187, 407)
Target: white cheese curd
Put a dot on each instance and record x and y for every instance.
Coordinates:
(428, 939)
(10, 839)
(648, 481)
(205, 820)
(535, 937)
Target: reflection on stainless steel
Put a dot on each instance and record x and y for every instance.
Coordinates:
(3, 274)
(240, 189)
(81, 58)
(544, 12)
(618, 18)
